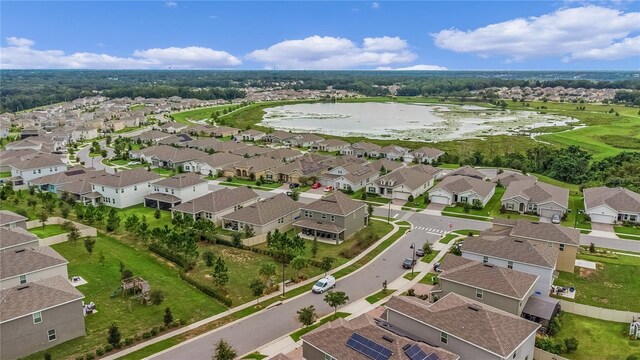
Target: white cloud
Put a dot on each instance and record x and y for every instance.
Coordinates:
(421, 67)
(170, 4)
(22, 56)
(375, 5)
(20, 42)
(317, 52)
(620, 50)
(573, 33)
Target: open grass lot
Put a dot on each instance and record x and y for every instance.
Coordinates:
(149, 213)
(131, 316)
(573, 188)
(198, 114)
(417, 204)
(298, 334)
(47, 230)
(372, 299)
(598, 339)
(612, 285)
(576, 216)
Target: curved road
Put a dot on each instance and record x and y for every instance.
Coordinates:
(262, 328)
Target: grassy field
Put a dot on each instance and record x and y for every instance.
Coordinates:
(149, 213)
(372, 299)
(47, 230)
(130, 315)
(598, 339)
(198, 114)
(573, 188)
(574, 217)
(611, 285)
(298, 334)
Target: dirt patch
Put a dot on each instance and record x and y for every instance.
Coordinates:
(612, 285)
(600, 300)
(585, 273)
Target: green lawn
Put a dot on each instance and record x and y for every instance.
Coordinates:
(626, 230)
(129, 314)
(256, 356)
(574, 218)
(151, 349)
(429, 279)
(466, 232)
(47, 231)
(447, 238)
(137, 107)
(611, 285)
(449, 166)
(573, 188)
(240, 182)
(427, 258)
(164, 172)
(5, 174)
(598, 339)
(410, 277)
(372, 299)
(298, 334)
(373, 198)
(198, 114)
(418, 204)
(491, 209)
(149, 213)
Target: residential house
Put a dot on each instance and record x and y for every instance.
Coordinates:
(278, 136)
(173, 127)
(152, 136)
(5, 128)
(250, 135)
(225, 131)
(252, 168)
(16, 238)
(266, 215)
(462, 189)
(503, 288)
(36, 166)
(180, 140)
(170, 157)
(251, 151)
(53, 182)
(403, 183)
(532, 196)
(215, 145)
(304, 140)
(31, 131)
(294, 172)
(509, 176)
(463, 326)
(7, 157)
(469, 172)
(19, 266)
(514, 253)
(426, 155)
(212, 164)
(124, 188)
(332, 218)
(82, 133)
(201, 130)
(330, 145)
(38, 315)
(213, 206)
(346, 339)
(351, 177)
(361, 149)
(611, 205)
(9, 219)
(385, 166)
(284, 154)
(393, 153)
(25, 144)
(176, 189)
(114, 125)
(564, 239)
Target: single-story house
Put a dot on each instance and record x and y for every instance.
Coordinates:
(402, 183)
(532, 196)
(611, 205)
(462, 189)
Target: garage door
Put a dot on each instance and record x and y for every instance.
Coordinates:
(439, 199)
(401, 195)
(604, 219)
(549, 213)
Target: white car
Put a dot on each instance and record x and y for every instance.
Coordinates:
(324, 284)
(555, 219)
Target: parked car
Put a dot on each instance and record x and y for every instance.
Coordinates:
(316, 186)
(408, 263)
(289, 193)
(436, 267)
(419, 252)
(324, 284)
(294, 186)
(328, 188)
(555, 219)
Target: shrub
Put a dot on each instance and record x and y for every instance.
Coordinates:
(89, 356)
(99, 351)
(156, 297)
(154, 331)
(207, 289)
(186, 264)
(128, 341)
(410, 198)
(411, 292)
(108, 348)
(146, 335)
(554, 326)
(571, 344)
(80, 357)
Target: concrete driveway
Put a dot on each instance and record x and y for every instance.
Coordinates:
(602, 227)
(436, 207)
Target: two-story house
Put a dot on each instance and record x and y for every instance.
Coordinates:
(266, 215)
(333, 218)
(31, 263)
(124, 188)
(463, 326)
(16, 238)
(36, 166)
(351, 177)
(173, 190)
(214, 205)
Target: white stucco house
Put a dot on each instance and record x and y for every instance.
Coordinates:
(36, 166)
(122, 189)
(610, 205)
(462, 189)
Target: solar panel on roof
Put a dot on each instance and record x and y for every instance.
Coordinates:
(368, 348)
(415, 353)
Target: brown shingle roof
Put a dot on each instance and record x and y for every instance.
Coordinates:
(14, 263)
(546, 232)
(537, 192)
(257, 164)
(331, 338)
(10, 237)
(31, 297)
(180, 181)
(485, 326)
(39, 161)
(126, 178)
(336, 203)
(170, 153)
(468, 171)
(265, 211)
(221, 160)
(507, 177)
(217, 200)
(512, 248)
(458, 184)
(387, 164)
(619, 199)
(409, 177)
(500, 280)
(427, 152)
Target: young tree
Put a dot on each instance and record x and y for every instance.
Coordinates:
(267, 271)
(299, 263)
(132, 222)
(248, 231)
(89, 243)
(168, 317)
(64, 211)
(236, 239)
(113, 220)
(336, 299)
(74, 234)
(209, 258)
(157, 214)
(224, 351)
(295, 195)
(101, 258)
(326, 263)
(285, 248)
(592, 248)
(43, 216)
(113, 337)
(314, 246)
(220, 273)
(428, 249)
(307, 315)
(257, 287)
(370, 210)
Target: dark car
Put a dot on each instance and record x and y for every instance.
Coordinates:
(294, 186)
(408, 263)
(419, 252)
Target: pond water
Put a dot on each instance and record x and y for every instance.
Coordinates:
(424, 122)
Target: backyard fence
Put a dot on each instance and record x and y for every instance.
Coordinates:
(539, 354)
(599, 313)
(259, 239)
(84, 230)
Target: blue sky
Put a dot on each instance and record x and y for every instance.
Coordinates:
(321, 35)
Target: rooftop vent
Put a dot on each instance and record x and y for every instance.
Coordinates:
(20, 250)
(488, 265)
(22, 287)
(474, 307)
(387, 338)
(518, 241)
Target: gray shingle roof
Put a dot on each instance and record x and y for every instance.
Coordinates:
(336, 203)
(619, 199)
(31, 297)
(170, 153)
(14, 263)
(8, 217)
(468, 171)
(537, 192)
(500, 280)
(409, 177)
(458, 184)
(39, 161)
(486, 327)
(508, 176)
(10, 237)
(180, 181)
(265, 211)
(545, 232)
(217, 200)
(126, 178)
(512, 248)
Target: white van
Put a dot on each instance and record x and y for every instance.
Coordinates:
(324, 284)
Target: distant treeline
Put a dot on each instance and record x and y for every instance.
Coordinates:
(628, 97)
(25, 89)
